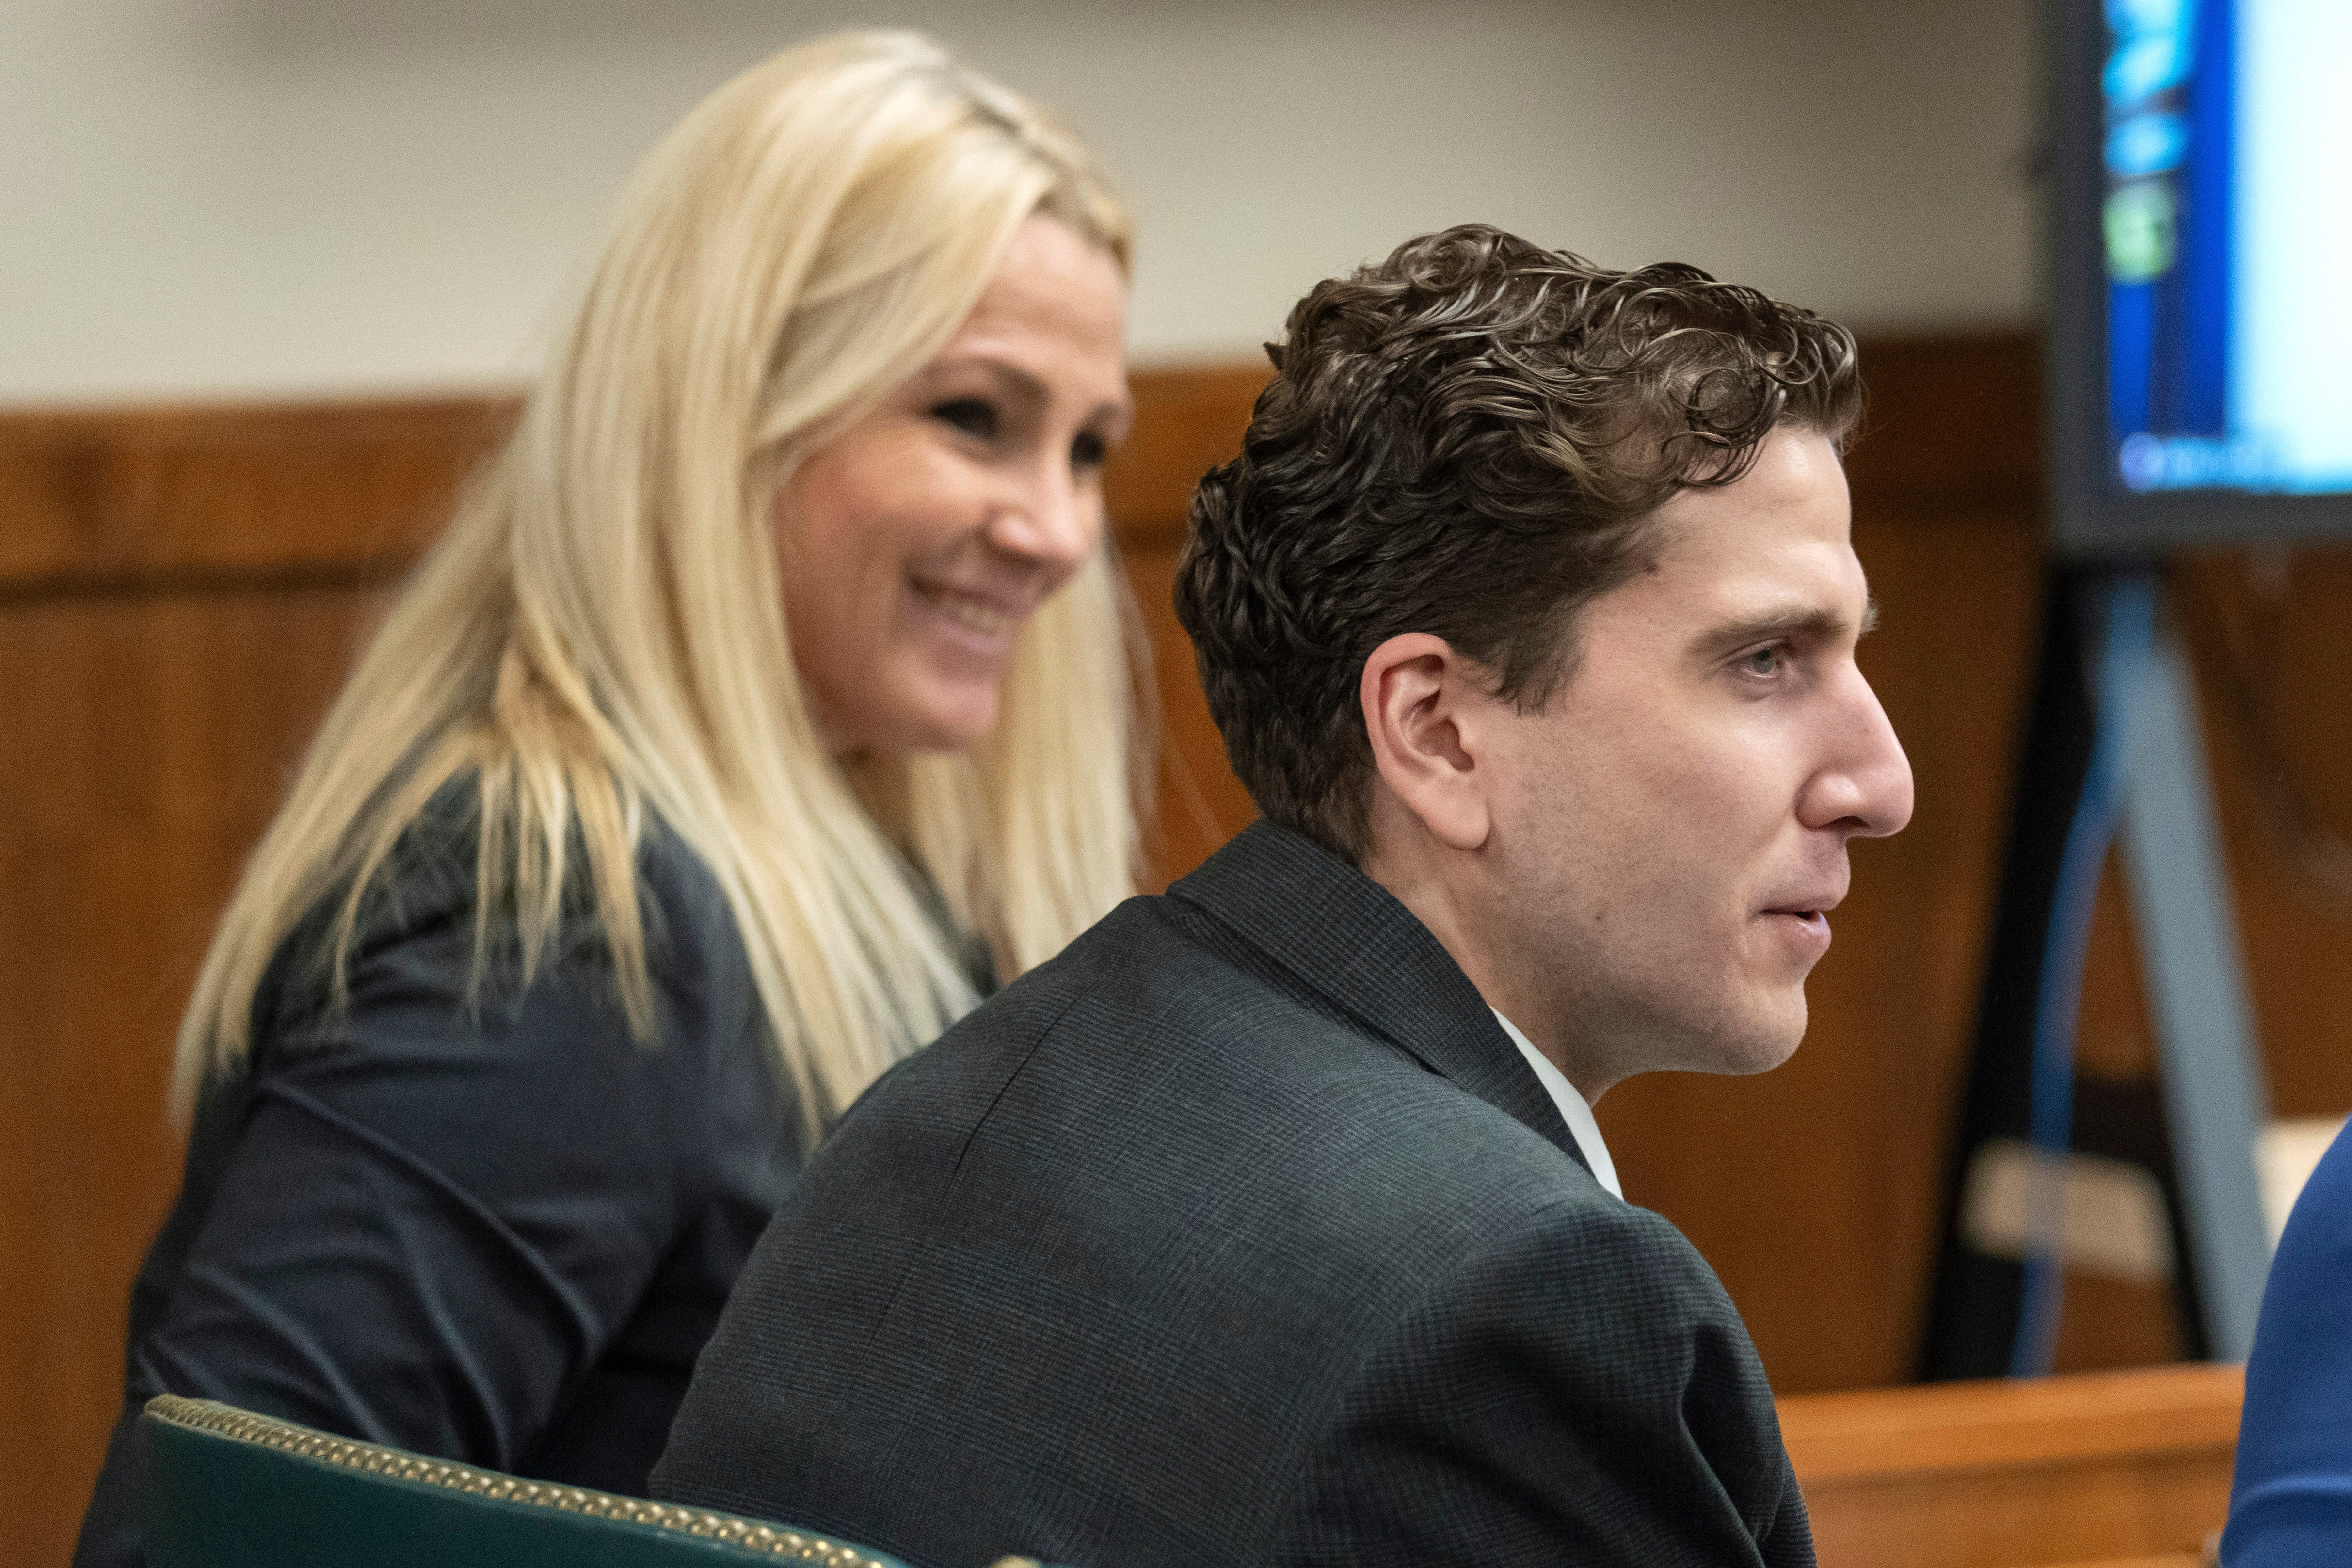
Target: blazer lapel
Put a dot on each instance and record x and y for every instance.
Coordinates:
(1345, 938)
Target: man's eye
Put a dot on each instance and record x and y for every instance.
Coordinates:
(1088, 451)
(1763, 661)
(972, 415)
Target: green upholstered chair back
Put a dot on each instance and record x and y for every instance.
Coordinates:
(226, 1488)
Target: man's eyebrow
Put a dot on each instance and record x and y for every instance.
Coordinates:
(1809, 623)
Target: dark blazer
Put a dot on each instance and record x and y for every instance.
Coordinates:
(1240, 1233)
(488, 1226)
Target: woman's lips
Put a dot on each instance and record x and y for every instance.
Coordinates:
(982, 614)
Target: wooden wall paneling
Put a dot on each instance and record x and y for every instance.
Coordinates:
(1198, 804)
(181, 591)
(2286, 617)
(200, 494)
(142, 740)
(1187, 420)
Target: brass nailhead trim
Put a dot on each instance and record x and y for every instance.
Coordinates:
(209, 1415)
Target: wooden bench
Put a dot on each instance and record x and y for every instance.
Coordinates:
(2122, 1469)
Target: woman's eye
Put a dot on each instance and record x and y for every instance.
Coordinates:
(972, 415)
(1088, 451)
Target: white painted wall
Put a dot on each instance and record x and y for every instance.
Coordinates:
(231, 198)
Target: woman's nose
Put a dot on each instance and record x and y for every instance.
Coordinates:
(1050, 517)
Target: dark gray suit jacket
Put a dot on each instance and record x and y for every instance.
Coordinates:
(1240, 1233)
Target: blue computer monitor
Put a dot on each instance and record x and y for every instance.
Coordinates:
(2200, 322)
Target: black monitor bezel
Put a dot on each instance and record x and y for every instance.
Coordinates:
(2092, 514)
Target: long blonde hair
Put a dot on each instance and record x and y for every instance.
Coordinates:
(601, 631)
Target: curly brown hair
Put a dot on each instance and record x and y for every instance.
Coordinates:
(1466, 439)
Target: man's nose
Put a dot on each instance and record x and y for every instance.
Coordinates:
(1865, 789)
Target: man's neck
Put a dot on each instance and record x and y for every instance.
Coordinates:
(1443, 895)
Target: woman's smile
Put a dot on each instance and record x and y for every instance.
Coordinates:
(992, 617)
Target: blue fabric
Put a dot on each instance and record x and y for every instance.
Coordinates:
(492, 1228)
(2291, 1503)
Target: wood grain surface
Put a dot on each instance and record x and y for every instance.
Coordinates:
(2070, 1470)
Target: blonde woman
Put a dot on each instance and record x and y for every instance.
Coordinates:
(765, 701)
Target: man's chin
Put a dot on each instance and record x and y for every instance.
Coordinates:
(1727, 1053)
(1765, 1058)
(1765, 1043)
(1745, 1030)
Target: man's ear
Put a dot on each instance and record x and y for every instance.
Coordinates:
(1424, 710)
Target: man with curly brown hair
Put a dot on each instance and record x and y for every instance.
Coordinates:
(1270, 1224)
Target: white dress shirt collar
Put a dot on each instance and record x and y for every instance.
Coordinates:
(1573, 1109)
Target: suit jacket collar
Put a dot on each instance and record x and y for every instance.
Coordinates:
(1345, 938)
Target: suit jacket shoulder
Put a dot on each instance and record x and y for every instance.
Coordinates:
(1133, 1265)
(1620, 1416)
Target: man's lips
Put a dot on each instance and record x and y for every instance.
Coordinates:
(1806, 919)
(1811, 903)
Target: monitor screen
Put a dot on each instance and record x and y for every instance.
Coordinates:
(2201, 327)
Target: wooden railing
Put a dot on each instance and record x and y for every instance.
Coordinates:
(2122, 1466)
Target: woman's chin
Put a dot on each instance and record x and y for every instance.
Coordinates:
(880, 707)
(944, 717)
